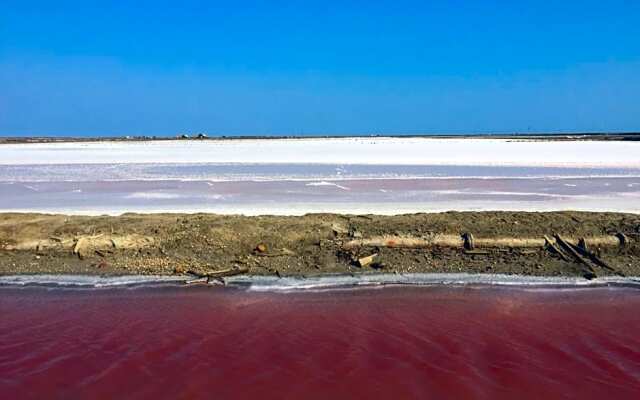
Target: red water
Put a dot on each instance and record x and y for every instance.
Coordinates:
(403, 342)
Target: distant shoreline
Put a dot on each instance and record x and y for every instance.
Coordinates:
(597, 136)
(559, 151)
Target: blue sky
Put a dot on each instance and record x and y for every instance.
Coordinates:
(278, 67)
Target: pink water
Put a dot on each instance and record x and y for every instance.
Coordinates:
(403, 342)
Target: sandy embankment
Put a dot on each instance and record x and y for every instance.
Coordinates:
(503, 242)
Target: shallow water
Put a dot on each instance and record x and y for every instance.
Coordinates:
(304, 188)
(287, 171)
(345, 175)
(482, 342)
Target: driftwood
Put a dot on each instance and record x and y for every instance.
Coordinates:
(595, 259)
(444, 240)
(590, 273)
(196, 280)
(469, 242)
(561, 246)
(582, 244)
(283, 253)
(218, 275)
(581, 254)
(624, 240)
(550, 245)
(83, 244)
(568, 247)
(368, 260)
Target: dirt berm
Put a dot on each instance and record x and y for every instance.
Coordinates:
(559, 243)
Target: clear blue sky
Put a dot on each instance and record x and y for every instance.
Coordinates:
(325, 67)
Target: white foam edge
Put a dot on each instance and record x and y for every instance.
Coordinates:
(87, 280)
(324, 282)
(275, 284)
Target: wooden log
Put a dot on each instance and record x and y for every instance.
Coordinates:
(196, 280)
(220, 274)
(569, 248)
(556, 249)
(405, 242)
(510, 242)
(468, 241)
(582, 244)
(590, 273)
(445, 240)
(82, 244)
(595, 259)
(624, 240)
(283, 253)
(366, 261)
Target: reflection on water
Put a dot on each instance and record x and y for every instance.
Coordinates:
(304, 188)
(286, 171)
(403, 342)
(303, 196)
